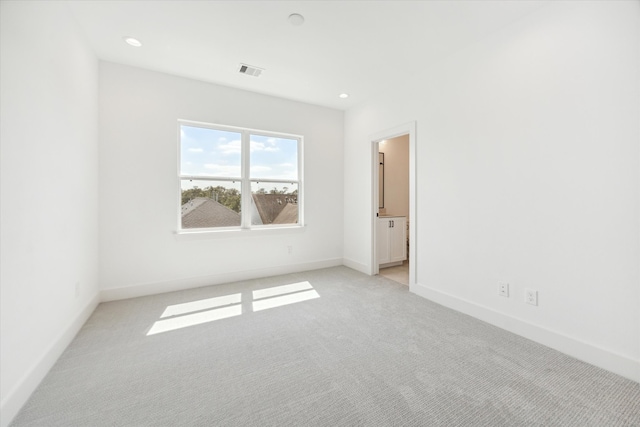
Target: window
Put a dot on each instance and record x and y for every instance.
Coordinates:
(233, 178)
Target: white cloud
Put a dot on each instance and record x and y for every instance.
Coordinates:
(260, 146)
(256, 146)
(232, 147)
(260, 168)
(274, 172)
(195, 150)
(222, 170)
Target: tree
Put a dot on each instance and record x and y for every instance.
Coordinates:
(284, 190)
(192, 193)
(229, 197)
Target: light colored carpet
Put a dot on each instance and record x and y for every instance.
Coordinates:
(364, 352)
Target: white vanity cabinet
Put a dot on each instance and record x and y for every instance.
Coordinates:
(391, 240)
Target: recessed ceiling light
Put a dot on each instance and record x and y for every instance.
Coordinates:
(296, 19)
(132, 41)
(344, 95)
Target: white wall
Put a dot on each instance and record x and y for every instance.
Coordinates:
(49, 183)
(139, 252)
(527, 172)
(396, 175)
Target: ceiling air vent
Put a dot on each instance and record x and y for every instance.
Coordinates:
(250, 70)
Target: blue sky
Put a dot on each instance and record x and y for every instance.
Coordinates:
(210, 152)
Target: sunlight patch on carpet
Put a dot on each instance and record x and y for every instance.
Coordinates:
(184, 315)
(203, 304)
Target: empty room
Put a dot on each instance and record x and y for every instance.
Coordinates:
(286, 213)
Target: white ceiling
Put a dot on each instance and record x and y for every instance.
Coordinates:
(357, 47)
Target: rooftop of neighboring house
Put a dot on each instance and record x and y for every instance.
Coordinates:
(288, 214)
(203, 212)
(271, 206)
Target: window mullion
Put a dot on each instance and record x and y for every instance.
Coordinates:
(246, 184)
(300, 182)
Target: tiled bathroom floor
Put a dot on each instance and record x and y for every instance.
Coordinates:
(399, 273)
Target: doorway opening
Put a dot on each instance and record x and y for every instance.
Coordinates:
(393, 231)
(392, 240)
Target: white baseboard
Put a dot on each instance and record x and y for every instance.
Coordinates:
(356, 266)
(19, 395)
(144, 289)
(602, 358)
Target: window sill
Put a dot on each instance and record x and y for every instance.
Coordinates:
(207, 234)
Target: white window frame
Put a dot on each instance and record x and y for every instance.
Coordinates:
(245, 189)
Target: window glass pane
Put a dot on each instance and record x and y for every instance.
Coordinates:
(210, 204)
(274, 158)
(274, 203)
(209, 152)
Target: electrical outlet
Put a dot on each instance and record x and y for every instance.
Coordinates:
(290, 249)
(503, 290)
(531, 296)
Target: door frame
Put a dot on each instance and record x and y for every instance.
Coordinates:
(376, 138)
